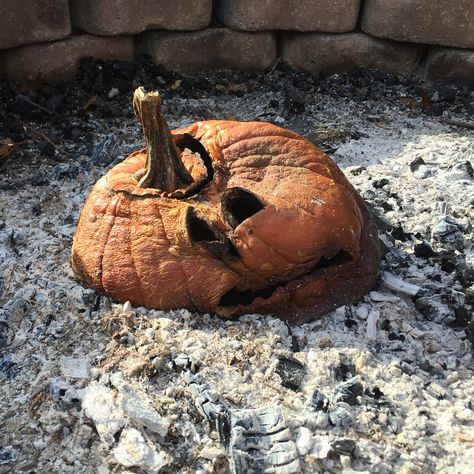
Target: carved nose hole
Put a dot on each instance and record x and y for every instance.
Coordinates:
(199, 230)
(238, 205)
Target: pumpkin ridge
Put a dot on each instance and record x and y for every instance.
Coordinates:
(106, 241)
(307, 211)
(330, 172)
(179, 261)
(269, 165)
(292, 262)
(138, 279)
(257, 137)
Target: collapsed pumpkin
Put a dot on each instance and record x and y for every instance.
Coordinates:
(226, 217)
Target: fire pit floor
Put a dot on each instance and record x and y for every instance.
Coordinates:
(94, 386)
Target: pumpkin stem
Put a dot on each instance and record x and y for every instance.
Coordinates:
(164, 168)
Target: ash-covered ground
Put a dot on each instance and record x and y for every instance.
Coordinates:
(89, 385)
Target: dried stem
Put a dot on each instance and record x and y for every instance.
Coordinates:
(164, 168)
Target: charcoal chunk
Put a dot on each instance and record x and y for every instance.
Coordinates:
(380, 183)
(374, 393)
(319, 401)
(423, 250)
(344, 447)
(348, 391)
(291, 372)
(210, 406)
(345, 369)
(415, 164)
(261, 442)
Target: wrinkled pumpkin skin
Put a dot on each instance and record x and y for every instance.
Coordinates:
(295, 238)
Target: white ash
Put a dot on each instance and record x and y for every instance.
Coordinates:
(75, 368)
(134, 450)
(132, 409)
(101, 406)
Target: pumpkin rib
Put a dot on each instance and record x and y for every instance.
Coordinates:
(119, 231)
(278, 252)
(106, 240)
(303, 210)
(287, 146)
(79, 265)
(132, 257)
(245, 140)
(233, 160)
(217, 128)
(273, 166)
(180, 262)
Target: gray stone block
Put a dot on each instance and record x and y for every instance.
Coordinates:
(441, 22)
(124, 17)
(336, 16)
(450, 65)
(57, 61)
(211, 49)
(30, 21)
(330, 54)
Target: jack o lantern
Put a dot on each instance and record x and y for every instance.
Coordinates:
(229, 218)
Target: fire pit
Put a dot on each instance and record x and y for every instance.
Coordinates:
(384, 383)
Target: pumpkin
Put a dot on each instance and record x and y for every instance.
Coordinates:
(226, 217)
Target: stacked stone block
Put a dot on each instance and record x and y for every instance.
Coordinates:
(329, 16)
(210, 49)
(33, 21)
(443, 22)
(322, 52)
(59, 60)
(45, 39)
(127, 17)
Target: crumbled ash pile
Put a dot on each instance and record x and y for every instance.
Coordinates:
(385, 385)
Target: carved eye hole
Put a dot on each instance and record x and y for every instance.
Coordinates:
(238, 205)
(199, 230)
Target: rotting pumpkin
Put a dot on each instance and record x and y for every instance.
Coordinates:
(229, 218)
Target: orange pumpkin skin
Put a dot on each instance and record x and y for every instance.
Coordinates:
(277, 229)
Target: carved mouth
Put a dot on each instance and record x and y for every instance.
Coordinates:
(233, 297)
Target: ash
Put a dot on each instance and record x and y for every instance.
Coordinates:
(386, 385)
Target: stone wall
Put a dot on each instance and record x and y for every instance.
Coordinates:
(44, 40)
